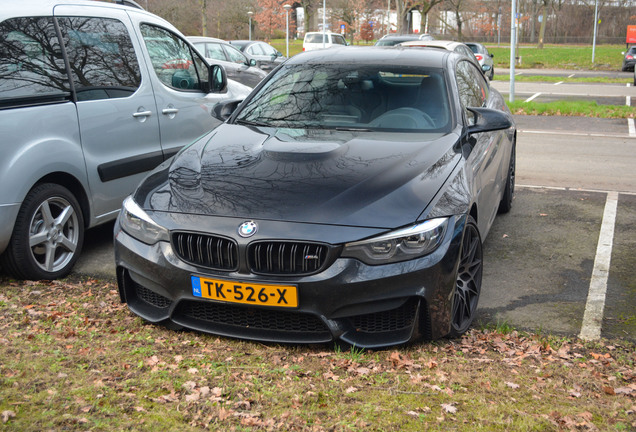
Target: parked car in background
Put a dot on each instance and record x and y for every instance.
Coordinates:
(93, 95)
(457, 47)
(320, 40)
(267, 57)
(346, 199)
(237, 66)
(484, 58)
(629, 59)
(394, 39)
(635, 77)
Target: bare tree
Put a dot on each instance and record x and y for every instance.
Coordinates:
(309, 7)
(458, 7)
(424, 7)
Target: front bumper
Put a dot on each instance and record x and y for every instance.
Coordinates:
(366, 306)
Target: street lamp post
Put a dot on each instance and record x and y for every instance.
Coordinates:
(249, 14)
(287, 8)
(595, 24)
(324, 22)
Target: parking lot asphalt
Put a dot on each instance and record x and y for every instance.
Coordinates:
(539, 261)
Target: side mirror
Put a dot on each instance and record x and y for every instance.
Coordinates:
(488, 120)
(278, 54)
(218, 79)
(492, 56)
(223, 110)
(251, 62)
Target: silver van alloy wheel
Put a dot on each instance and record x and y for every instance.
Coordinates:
(54, 234)
(47, 236)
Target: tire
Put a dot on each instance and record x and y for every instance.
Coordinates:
(506, 200)
(492, 73)
(468, 280)
(48, 235)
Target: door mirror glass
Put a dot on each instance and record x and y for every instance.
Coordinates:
(218, 79)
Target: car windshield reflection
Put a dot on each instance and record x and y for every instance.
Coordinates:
(373, 98)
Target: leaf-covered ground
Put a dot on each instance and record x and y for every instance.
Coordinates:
(73, 358)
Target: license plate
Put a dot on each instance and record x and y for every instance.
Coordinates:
(245, 293)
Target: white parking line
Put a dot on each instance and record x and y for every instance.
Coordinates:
(560, 82)
(632, 128)
(593, 316)
(570, 76)
(588, 134)
(532, 97)
(561, 188)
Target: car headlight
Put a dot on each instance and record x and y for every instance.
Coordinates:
(401, 245)
(139, 225)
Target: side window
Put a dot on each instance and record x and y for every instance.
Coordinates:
(235, 55)
(255, 50)
(471, 85)
(268, 49)
(215, 51)
(174, 63)
(338, 40)
(31, 61)
(101, 56)
(465, 51)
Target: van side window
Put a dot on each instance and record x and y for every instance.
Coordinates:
(338, 40)
(174, 63)
(101, 57)
(31, 62)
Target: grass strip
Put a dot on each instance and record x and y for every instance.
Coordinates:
(571, 108)
(72, 357)
(554, 79)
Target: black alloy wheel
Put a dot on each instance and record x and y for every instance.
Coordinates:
(47, 236)
(468, 285)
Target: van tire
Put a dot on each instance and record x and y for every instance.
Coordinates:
(51, 218)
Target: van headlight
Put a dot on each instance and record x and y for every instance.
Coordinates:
(136, 222)
(400, 245)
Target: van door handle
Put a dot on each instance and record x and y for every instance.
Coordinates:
(142, 114)
(169, 111)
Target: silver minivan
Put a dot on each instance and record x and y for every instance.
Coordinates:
(93, 95)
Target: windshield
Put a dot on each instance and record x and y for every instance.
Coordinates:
(356, 97)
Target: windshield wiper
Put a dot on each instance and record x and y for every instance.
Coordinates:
(250, 123)
(352, 129)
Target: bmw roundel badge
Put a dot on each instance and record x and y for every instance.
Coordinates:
(247, 229)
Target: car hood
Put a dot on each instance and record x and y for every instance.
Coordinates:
(381, 180)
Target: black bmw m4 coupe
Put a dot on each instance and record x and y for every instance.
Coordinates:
(345, 199)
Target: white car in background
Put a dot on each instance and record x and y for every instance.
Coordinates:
(320, 40)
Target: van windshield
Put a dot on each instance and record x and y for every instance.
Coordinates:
(314, 38)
